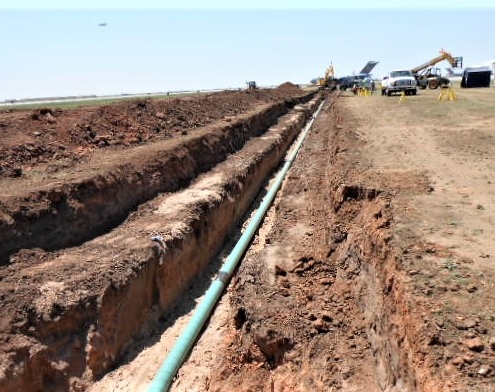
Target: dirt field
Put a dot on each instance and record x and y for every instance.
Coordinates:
(372, 270)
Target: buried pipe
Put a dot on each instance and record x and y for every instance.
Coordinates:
(167, 371)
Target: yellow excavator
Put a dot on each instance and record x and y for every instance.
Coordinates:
(429, 76)
(328, 81)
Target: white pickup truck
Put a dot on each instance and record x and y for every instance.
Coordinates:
(399, 81)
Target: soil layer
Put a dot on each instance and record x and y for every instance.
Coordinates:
(372, 270)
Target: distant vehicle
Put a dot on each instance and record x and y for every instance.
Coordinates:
(366, 84)
(459, 72)
(398, 82)
(103, 24)
(328, 81)
(252, 85)
(476, 77)
(351, 81)
(429, 76)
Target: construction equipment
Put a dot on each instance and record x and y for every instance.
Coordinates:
(353, 81)
(328, 81)
(252, 85)
(429, 76)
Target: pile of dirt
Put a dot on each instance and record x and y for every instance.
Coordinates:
(59, 138)
(289, 88)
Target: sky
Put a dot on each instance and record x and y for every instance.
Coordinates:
(59, 48)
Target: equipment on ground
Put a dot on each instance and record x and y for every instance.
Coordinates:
(328, 81)
(399, 81)
(429, 76)
(476, 77)
(353, 81)
(252, 85)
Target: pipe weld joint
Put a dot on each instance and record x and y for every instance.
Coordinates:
(223, 277)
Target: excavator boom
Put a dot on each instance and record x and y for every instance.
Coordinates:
(431, 77)
(455, 62)
(329, 80)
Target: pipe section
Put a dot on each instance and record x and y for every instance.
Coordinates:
(167, 371)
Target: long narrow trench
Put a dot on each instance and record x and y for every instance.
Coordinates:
(315, 305)
(334, 294)
(70, 212)
(307, 310)
(80, 310)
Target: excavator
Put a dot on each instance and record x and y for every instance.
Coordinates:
(429, 76)
(328, 81)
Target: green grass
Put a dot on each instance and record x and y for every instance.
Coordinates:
(455, 223)
(477, 232)
(450, 264)
(471, 103)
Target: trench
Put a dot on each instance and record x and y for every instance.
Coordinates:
(71, 213)
(367, 266)
(366, 259)
(318, 304)
(131, 283)
(71, 333)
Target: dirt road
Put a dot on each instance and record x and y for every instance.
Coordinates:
(372, 270)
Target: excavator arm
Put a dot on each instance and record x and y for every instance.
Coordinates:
(328, 80)
(429, 76)
(330, 72)
(455, 62)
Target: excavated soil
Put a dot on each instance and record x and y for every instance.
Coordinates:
(93, 255)
(47, 140)
(371, 271)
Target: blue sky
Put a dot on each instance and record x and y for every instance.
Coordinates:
(241, 4)
(151, 46)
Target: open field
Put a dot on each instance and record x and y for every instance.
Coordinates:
(373, 269)
(75, 102)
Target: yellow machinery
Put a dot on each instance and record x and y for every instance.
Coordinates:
(328, 81)
(429, 76)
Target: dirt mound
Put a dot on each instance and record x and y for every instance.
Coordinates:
(289, 87)
(58, 138)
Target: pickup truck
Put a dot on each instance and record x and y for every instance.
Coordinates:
(399, 81)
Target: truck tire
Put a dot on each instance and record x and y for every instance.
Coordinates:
(433, 84)
(389, 93)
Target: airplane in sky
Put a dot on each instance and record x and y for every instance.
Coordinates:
(103, 24)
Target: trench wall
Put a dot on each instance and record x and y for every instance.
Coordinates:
(71, 213)
(91, 336)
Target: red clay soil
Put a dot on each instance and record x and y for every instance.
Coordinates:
(330, 296)
(53, 139)
(61, 289)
